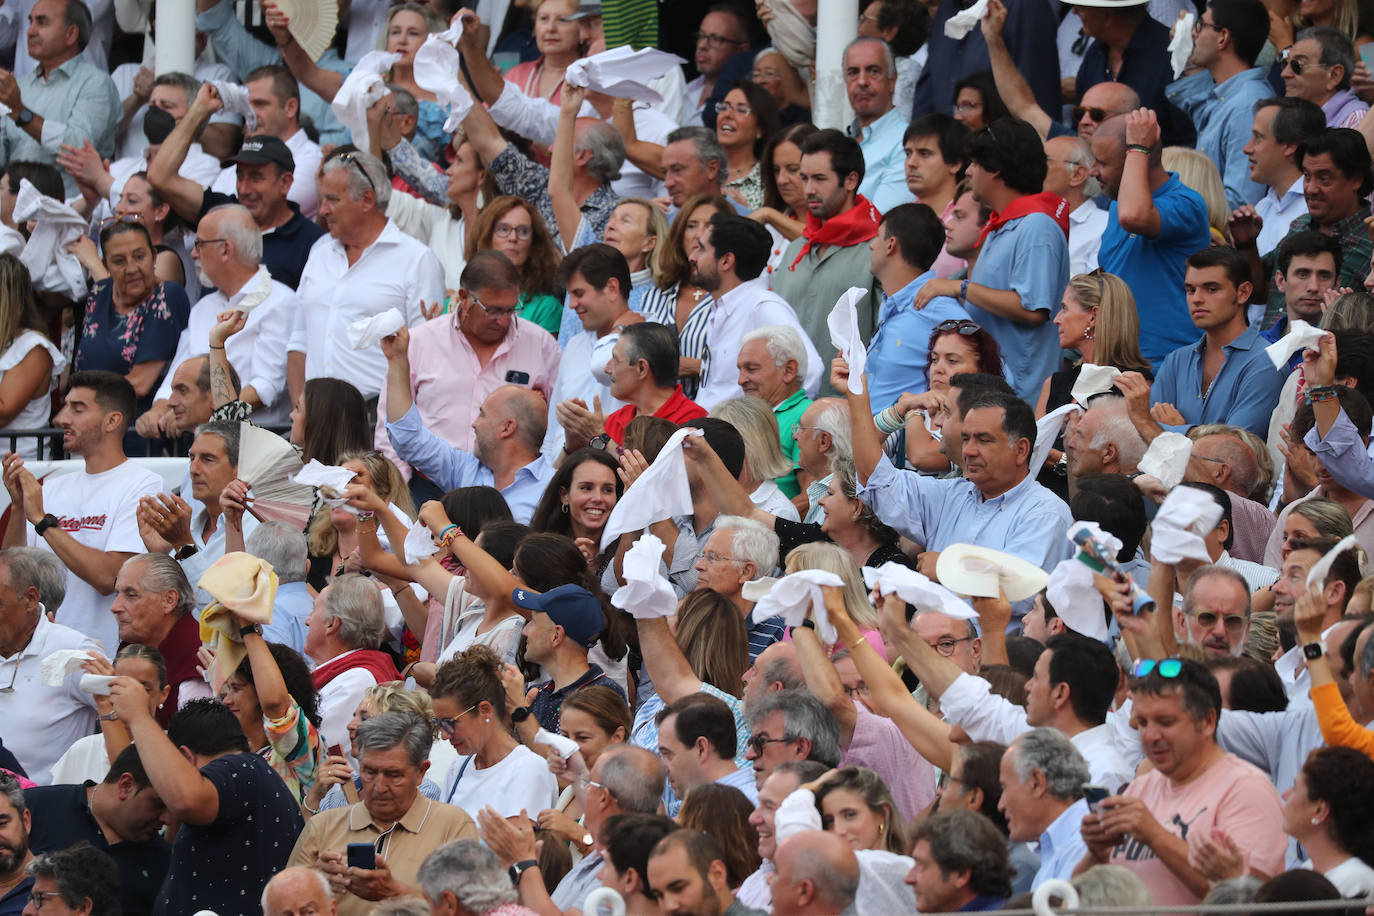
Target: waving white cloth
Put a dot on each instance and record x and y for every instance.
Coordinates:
(53, 268)
(1047, 429)
(917, 590)
(1093, 380)
(792, 35)
(1181, 45)
(1174, 534)
(368, 332)
(419, 543)
(1166, 459)
(1076, 600)
(53, 670)
(661, 492)
(645, 594)
(1301, 336)
(844, 334)
(234, 98)
(793, 597)
(565, 747)
(622, 72)
(436, 69)
(1316, 577)
(965, 21)
(359, 92)
(329, 479)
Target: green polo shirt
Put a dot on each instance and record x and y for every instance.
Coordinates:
(788, 412)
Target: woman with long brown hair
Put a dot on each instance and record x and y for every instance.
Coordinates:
(29, 362)
(513, 226)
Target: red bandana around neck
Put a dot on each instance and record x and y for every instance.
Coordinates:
(375, 661)
(1046, 202)
(857, 224)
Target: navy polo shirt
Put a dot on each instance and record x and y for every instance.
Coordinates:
(13, 903)
(547, 707)
(62, 818)
(1146, 68)
(286, 248)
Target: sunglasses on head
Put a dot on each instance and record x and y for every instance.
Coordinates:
(1169, 667)
(962, 325)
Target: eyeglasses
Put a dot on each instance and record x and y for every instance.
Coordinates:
(448, 725)
(966, 107)
(1097, 114)
(1169, 667)
(962, 325)
(198, 244)
(756, 743)
(714, 41)
(490, 312)
(1235, 623)
(948, 644)
(743, 111)
(1299, 64)
(352, 159)
(858, 690)
(506, 230)
(1201, 24)
(797, 429)
(711, 556)
(864, 17)
(37, 898)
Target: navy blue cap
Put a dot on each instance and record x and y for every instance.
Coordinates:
(572, 607)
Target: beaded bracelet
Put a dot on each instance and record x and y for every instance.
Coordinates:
(1321, 393)
(1138, 148)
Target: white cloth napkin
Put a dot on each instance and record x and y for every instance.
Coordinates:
(368, 332)
(234, 98)
(565, 747)
(1174, 533)
(1167, 458)
(794, 597)
(1093, 380)
(437, 68)
(53, 268)
(54, 669)
(330, 479)
(661, 492)
(261, 283)
(1076, 600)
(622, 72)
(965, 21)
(844, 334)
(11, 242)
(360, 90)
(1301, 336)
(917, 590)
(1317, 575)
(96, 684)
(645, 594)
(1047, 429)
(419, 543)
(1181, 45)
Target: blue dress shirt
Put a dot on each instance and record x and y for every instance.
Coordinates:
(290, 609)
(1345, 455)
(1224, 115)
(1243, 393)
(884, 181)
(900, 351)
(1061, 845)
(451, 467)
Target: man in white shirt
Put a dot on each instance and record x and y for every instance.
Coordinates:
(1069, 160)
(87, 517)
(723, 33)
(228, 253)
(1279, 129)
(38, 722)
(275, 97)
(366, 266)
(343, 633)
(727, 262)
(1043, 776)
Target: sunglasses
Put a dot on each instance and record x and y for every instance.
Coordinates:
(1097, 114)
(1169, 667)
(352, 159)
(962, 325)
(1299, 64)
(1235, 623)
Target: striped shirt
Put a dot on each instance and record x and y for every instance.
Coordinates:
(660, 306)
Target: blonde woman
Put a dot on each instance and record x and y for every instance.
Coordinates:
(1200, 173)
(835, 559)
(636, 228)
(764, 461)
(1097, 317)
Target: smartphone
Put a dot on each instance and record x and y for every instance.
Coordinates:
(335, 750)
(362, 855)
(516, 377)
(1366, 51)
(1093, 795)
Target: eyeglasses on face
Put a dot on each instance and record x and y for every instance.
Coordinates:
(1201, 24)
(37, 898)
(449, 724)
(1169, 667)
(797, 429)
(506, 230)
(711, 556)
(757, 743)
(1299, 64)
(743, 111)
(491, 312)
(111, 220)
(715, 41)
(198, 244)
(962, 325)
(1235, 623)
(947, 644)
(1097, 114)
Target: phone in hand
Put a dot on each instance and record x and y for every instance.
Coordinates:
(362, 855)
(335, 750)
(1093, 795)
(517, 377)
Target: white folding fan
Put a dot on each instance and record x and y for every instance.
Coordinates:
(267, 462)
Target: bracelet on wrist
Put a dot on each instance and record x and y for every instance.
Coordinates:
(888, 421)
(1320, 393)
(213, 347)
(1137, 148)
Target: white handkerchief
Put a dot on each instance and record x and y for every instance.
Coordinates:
(794, 597)
(329, 479)
(360, 90)
(1076, 600)
(437, 68)
(565, 747)
(660, 492)
(235, 100)
(1047, 429)
(419, 543)
(1167, 458)
(965, 21)
(622, 72)
(54, 669)
(53, 268)
(1093, 380)
(96, 684)
(917, 590)
(368, 332)
(844, 334)
(645, 594)
(1301, 336)
(1181, 45)
(11, 242)
(1317, 575)
(1175, 531)
(261, 283)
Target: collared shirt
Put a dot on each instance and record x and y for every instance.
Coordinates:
(900, 351)
(290, 608)
(77, 101)
(425, 826)
(677, 409)
(523, 177)
(578, 883)
(395, 271)
(580, 373)
(547, 705)
(1356, 249)
(1278, 212)
(285, 249)
(815, 513)
(884, 181)
(1154, 267)
(41, 722)
(1086, 225)
(451, 467)
(208, 551)
(1243, 393)
(789, 411)
(745, 308)
(755, 891)
(1145, 68)
(1061, 845)
(1223, 115)
(1344, 109)
(1344, 455)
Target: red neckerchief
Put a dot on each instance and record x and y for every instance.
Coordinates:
(1046, 202)
(857, 224)
(375, 661)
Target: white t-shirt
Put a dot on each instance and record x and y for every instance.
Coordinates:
(100, 512)
(338, 699)
(503, 639)
(1353, 878)
(521, 781)
(86, 759)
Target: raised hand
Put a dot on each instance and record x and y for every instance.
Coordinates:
(227, 324)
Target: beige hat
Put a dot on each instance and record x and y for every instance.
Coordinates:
(980, 572)
(312, 23)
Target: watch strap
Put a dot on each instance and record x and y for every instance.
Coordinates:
(519, 868)
(520, 714)
(1313, 650)
(251, 628)
(44, 523)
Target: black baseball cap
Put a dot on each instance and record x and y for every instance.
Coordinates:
(261, 149)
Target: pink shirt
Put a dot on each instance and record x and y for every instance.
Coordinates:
(879, 745)
(449, 384)
(1230, 795)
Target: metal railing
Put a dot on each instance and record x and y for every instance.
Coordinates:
(49, 439)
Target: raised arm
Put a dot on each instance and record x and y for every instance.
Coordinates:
(482, 566)
(1011, 85)
(188, 795)
(164, 172)
(648, 157)
(396, 348)
(484, 78)
(566, 211)
(673, 677)
(821, 677)
(730, 497)
(1135, 205)
(868, 442)
(322, 82)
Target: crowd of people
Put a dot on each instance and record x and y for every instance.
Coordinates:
(1005, 481)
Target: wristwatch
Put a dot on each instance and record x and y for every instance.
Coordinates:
(186, 551)
(251, 628)
(600, 441)
(1313, 650)
(44, 523)
(110, 716)
(519, 868)
(520, 714)
(23, 117)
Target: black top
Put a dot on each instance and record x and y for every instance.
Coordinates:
(285, 248)
(10, 762)
(793, 534)
(62, 818)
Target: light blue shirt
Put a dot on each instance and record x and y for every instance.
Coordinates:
(1344, 455)
(77, 101)
(1029, 256)
(1223, 115)
(1243, 393)
(289, 611)
(900, 351)
(884, 181)
(1061, 845)
(451, 467)
(742, 779)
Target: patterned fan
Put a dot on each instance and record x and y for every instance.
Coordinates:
(267, 462)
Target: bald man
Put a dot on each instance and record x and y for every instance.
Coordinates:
(815, 874)
(298, 892)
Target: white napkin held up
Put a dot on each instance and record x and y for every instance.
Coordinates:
(965, 21)
(917, 590)
(419, 543)
(436, 68)
(1175, 532)
(1301, 336)
(1093, 380)
(1181, 45)
(1166, 459)
(794, 597)
(329, 479)
(360, 91)
(1076, 600)
(844, 334)
(1317, 575)
(234, 98)
(645, 594)
(622, 72)
(662, 492)
(368, 332)
(53, 268)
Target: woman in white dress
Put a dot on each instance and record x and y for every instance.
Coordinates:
(29, 362)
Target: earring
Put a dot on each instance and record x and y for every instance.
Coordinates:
(1316, 821)
(565, 508)
(487, 720)
(1088, 334)
(881, 828)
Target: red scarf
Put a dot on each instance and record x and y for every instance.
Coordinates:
(857, 224)
(377, 662)
(1045, 202)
